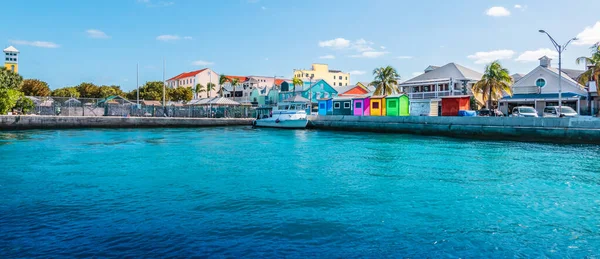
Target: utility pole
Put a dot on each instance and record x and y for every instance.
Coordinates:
(164, 84)
(137, 82)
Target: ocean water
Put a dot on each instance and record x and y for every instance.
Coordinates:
(242, 192)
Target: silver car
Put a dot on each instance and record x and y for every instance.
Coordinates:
(524, 111)
(566, 111)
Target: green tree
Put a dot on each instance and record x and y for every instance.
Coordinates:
(210, 87)
(9, 79)
(9, 89)
(150, 91)
(385, 81)
(592, 65)
(24, 105)
(495, 81)
(89, 90)
(66, 92)
(180, 94)
(296, 81)
(234, 83)
(199, 89)
(222, 81)
(34, 87)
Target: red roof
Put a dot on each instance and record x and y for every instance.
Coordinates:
(240, 78)
(187, 74)
(280, 81)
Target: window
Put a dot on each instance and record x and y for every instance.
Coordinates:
(12, 67)
(392, 104)
(336, 105)
(322, 106)
(347, 105)
(540, 82)
(375, 105)
(6, 59)
(358, 105)
(346, 84)
(340, 77)
(346, 78)
(333, 77)
(312, 75)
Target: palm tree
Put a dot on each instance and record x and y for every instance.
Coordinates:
(593, 66)
(296, 81)
(385, 81)
(222, 80)
(495, 81)
(210, 87)
(199, 89)
(234, 83)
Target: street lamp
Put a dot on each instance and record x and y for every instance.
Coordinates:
(560, 49)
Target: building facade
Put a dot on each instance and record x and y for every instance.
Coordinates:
(449, 80)
(539, 88)
(334, 78)
(11, 59)
(190, 79)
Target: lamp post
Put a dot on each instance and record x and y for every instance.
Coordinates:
(310, 95)
(560, 49)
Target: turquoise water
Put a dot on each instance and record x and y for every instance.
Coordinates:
(242, 192)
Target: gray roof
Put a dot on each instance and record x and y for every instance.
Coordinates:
(450, 70)
(223, 101)
(343, 89)
(297, 99)
(568, 78)
(369, 87)
(573, 73)
(516, 77)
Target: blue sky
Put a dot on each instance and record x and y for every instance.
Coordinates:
(67, 42)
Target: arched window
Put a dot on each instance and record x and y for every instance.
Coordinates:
(540, 82)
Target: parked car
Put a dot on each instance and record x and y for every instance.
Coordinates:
(489, 113)
(566, 111)
(524, 111)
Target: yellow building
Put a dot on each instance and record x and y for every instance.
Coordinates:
(334, 78)
(11, 61)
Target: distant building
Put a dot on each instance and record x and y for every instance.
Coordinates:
(334, 78)
(539, 88)
(190, 79)
(317, 90)
(251, 88)
(11, 59)
(448, 80)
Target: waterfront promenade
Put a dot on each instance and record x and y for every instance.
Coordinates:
(67, 122)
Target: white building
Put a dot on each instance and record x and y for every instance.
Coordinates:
(539, 88)
(448, 80)
(190, 79)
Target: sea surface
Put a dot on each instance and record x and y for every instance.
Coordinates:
(243, 192)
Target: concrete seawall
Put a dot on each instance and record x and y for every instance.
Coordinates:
(556, 130)
(68, 122)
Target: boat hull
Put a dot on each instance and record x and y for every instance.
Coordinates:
(286, 124)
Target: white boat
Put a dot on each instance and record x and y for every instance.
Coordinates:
(290, 114)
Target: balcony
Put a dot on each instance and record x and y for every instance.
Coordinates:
(431, 95)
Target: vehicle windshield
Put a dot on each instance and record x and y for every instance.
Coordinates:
(526, 110)
(567, 110)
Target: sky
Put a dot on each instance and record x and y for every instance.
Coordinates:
(66, 42)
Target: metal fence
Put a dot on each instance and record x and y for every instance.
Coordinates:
(62, 106)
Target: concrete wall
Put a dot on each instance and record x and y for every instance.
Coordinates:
(558, 130)
(61, 122)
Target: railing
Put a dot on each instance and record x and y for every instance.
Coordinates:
(430, 95)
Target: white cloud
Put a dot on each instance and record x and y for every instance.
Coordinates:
(187, 38)
(382, 47)
(518, 6)
(96, 34)
(40, 44)
(362, 45)
(415, 74)
(497, 11)
(369, 54)
(487, 57)
(404, 57)
(338, 43)
(357, 72)
(535, 55)
(202, 63)
(264, 8)
(327, 57)
(589, 35)
(167, 37)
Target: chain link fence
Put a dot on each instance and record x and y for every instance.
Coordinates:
(64, 106)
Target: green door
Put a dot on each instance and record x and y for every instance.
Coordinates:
(404, 109)
(392, 106)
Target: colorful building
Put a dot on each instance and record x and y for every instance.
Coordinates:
(378, 105)
(451, 105)
(351, 90)
(11, 59)
(397, 105)
(342, 106)
(362, 106)
(319, 89)
(334, 78)
(325, 106)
